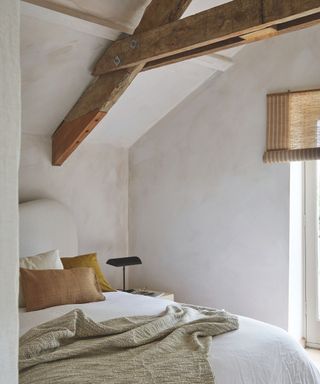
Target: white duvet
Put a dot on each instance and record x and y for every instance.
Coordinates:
(257, 353)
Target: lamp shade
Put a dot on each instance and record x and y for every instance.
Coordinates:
(124, 261)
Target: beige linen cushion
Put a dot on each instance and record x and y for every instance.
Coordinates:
(46, 260)
(48, 288)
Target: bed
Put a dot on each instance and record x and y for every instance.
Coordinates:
(256, 353)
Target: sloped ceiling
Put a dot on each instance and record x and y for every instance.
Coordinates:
(123, 14)
(57, 56)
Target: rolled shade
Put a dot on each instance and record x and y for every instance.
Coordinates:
(293, 126)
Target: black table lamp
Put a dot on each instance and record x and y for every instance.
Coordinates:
(123, 262)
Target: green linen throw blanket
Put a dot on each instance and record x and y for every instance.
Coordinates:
(167, 349)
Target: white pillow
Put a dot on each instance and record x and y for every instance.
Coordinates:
(46, 260)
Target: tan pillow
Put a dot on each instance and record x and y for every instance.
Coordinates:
(48, 288)
(46, 260)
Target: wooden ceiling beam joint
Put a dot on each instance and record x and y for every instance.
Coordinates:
(160, 40)
(236, 19)
(105, 90)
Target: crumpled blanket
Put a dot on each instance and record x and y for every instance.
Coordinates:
(166, 349)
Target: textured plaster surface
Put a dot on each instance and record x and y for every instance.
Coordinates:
(93, 184)
(208, 218)
(9, 159)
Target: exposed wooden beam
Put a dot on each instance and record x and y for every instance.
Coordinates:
(197, 52)
(261, 34)
(286, 27)
(105, 90)
(220, 25)
(162, 12)
(89, 110)
(74, 131)
(82, 22)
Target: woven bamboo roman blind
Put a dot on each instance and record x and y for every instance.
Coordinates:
(293, 127)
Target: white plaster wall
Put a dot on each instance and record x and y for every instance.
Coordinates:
(93, 184)
(9, 159)
(208, 218)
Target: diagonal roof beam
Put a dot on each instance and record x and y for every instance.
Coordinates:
(279, 29)
(234, 23)
(155, 44)
(49, 12)
(105, 90)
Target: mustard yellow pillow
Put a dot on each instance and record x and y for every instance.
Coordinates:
(90, 261)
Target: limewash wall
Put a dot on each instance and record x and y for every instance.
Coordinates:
(92, 184)
(208, 218)
(10, 111)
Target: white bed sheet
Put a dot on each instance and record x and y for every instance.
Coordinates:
(257, 353)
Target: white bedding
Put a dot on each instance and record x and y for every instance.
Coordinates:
(257, 353)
